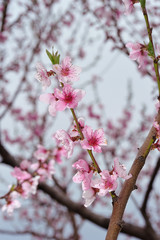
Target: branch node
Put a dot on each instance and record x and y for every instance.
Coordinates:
(135, 187)
(141, 158)
(121, 224)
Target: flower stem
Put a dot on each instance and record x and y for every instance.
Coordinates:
(149, 30)
(82, 137)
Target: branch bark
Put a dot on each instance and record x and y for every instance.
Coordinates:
(149, 189)
(115, 224)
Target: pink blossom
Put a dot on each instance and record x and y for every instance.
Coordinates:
(58, 153)
(42, 76)
(51, 169)
(34, 166)
(120, 170)
(3, 38)
(138, 53)
(156, 125)
(107, 182)
(66, 72)
(68, 97)
(30, 187)
(26, 187)
(51, 100)
(24, 165)
(46, 170)
(84, 174)
(89, 196)
(93, 139)
(41, 154)
(157, 143)
(129, 6)
(12, 203)
(65, 141)
(81, 165)
(158, 106)
(43, 169)
(42, 172)
(34, 183)
(20, 175)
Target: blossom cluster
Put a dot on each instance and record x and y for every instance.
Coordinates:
(66, 97)
(28, 175)
(94, 181)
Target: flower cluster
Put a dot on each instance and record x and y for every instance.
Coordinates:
(93, 140)
(94, 183)
(28, 175)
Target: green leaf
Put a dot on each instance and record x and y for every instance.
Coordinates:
(143, 3)
(50, 56)
(150, 50)
(54, 57)
(12, 187)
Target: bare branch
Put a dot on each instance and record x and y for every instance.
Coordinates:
(150, 186)
(115, 224)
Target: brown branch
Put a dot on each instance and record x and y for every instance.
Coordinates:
(16, 93)
(59, 196)
(115, 224)
(150, 186)
(5, 6)
(35, 234)
(74, 226)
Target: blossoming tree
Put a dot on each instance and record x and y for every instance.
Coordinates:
(63, 176)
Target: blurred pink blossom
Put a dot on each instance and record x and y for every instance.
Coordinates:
(11, 203)
(138, 53)
(120, 170)
(129, 6)
(65, 141)
(41, 154)
(89, 196)
(20, 175)
(42, 76)
(51, 100)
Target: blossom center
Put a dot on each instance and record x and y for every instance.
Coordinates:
(68, 98)
(65, 71)
(93, 141)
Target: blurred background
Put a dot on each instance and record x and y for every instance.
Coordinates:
(120, 97)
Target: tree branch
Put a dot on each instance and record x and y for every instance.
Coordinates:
(5, 6)
(59, 196)
(154, 174)
(35, 234)
(115, 224)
